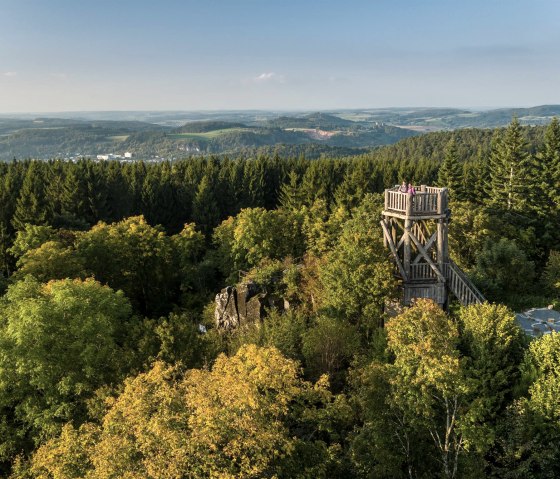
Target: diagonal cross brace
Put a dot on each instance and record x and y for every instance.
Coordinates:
(393, 250)
(427, 258)
(429, 244)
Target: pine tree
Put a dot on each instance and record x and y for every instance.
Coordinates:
(291, 197)
(96, 191)
(72, 204)
(205, 208)
(254, 184)
(451, 172)
(509, 169)
(31, 206)
(54, 189)
(545, 198)
(550, 158)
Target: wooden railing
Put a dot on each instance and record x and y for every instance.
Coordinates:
(461, 286)
(427, 200)
(421, 271)
(457, 281)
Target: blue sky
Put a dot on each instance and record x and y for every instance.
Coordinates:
(63, 55)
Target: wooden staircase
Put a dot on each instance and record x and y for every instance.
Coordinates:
(461, 286)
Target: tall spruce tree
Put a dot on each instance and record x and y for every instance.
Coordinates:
(509, 169)
(291, 197)
(451, 172)
(205, 207)
(31, 206)
(550, 158)
(72, 204)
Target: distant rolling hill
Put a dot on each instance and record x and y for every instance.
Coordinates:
(180, 134)
(317, 120)
(207, 126)
(73, 138)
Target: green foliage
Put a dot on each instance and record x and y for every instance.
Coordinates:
(469, 231)
(322, 228)
(503, 269)
(60, 342)
(357, 276)
(256, 234)
(509, 169)
(291, 197)
(51, 260)
(283, 331)
(205, 207)
(551, 274)
(385, 444)
(329, 346)
(238, 420)
(132, 256)
(31, 237)
(494, 345)
(172, 339)
(549, 159)
(31, 206)
(436, 387)
(427, 379)
(450, 173)
(531, 447)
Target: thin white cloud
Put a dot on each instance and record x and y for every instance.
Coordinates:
(10, 74)
(269, 77)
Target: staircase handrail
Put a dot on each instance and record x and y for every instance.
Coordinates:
(475, 296)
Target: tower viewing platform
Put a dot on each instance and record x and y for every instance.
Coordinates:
(415, 229)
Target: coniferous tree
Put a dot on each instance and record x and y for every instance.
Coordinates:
(508, 186)
(96, 190)
(205, 208)
(254, 184)
(119, 196)
(550, 158)
(476, 174)
(544, 195)
(72, 201)
(31, 205)
(5, 258)
(54, 190)
(291, 197)
(451, 172)
(313, 184)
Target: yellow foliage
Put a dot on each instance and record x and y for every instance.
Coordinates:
(228, 422)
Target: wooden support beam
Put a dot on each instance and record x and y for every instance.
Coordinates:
(440, 243)
(401, 241)
(427, 247)
(407, 231)
(427, 258)
(393, 250)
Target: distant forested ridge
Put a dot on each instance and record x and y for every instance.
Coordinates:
(112, 363)
(176, 135)
(72, 139)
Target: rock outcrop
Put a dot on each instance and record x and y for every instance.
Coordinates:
(239, 305)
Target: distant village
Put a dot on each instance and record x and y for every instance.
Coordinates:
(111, 156)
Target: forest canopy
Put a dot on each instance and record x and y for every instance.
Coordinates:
(112, 363)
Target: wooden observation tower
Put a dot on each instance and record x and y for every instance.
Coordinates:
(415, 230)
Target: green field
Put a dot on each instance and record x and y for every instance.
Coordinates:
(208, 135)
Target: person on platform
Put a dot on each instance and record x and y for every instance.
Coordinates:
(411, 190)
(403, 188)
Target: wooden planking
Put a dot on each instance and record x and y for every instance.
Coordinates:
(434, 291)
(430, 201)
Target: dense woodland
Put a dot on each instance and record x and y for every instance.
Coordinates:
(111, 364)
